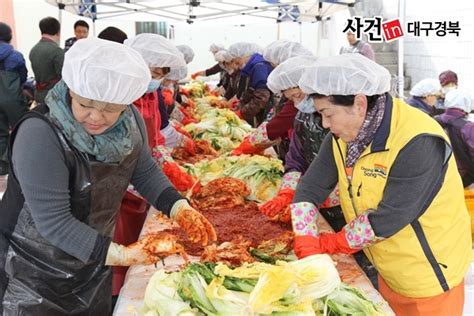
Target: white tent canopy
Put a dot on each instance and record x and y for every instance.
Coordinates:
(204, 10)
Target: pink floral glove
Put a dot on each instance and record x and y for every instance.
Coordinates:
(304, 216)
(290, 180)
(162, 154)
(260, 137)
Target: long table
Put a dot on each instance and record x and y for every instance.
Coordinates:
(131, 296)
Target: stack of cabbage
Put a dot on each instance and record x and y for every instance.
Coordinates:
(261, 174)
(196, 88)
(221, 127)
(310, 286)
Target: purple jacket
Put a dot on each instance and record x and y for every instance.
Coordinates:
(461, 134)
(295, 159)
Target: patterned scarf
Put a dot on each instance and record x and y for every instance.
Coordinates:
(372, 121)
(110, 147)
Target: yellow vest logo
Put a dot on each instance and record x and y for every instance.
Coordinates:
(377, 170)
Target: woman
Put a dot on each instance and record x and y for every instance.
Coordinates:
(306, 136)
(70, 169)
(255, 99)
(400, 191)
(217, 68)
(460, 131)
(424, 95)
(160, 54)
(277, 130)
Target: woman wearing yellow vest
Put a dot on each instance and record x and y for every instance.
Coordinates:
(400, 191)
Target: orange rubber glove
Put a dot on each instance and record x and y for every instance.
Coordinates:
(279, 203)
(246, 148)
(168, 97)
(195, 75)
(325, 243)
(180, 179)
(198, 228)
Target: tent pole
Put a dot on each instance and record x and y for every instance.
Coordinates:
(93, 27)
(301, 32)
(278, 30)
(61, 7)
(401, 48)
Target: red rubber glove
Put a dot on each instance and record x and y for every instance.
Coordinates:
(324, 243)
(195, 75)
(239, 114)
(180, 179)
(188, 118)
(189, 145)
(278, 204)
(179, 128)
(167, 97)
(246, 148)
(234, 103)
(184, 92)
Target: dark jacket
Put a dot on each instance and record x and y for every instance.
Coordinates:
(69, 42)
(418, 103)
(47, 62)
(256, 98)
(12, 60)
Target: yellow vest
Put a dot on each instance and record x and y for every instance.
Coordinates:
(432, 254)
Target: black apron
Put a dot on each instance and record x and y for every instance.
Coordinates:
(309, 132)
(41, 279)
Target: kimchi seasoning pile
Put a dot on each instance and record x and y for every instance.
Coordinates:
(245, 221)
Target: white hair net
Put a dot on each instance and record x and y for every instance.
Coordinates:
(458, 98)
(105, 71)
(347, 74)
(279, 51)
(426, 87)
(223, 56)
(287, 74)
(156, 50)
(242, 49)
(177, 74)
(187, 52)
(214, 48)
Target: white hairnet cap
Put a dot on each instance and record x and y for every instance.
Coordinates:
(105, 71)
(346, 74)
(242, 49)
(287, 74)
(214, 48)
(187, 52)
(458, 98)
(279, 51)
(223, 56)
(156, 50)
(426, 87)
(177, 73)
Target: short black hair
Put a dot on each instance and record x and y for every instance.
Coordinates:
(81, 23)
(347, 100)
(113, 34)
(50, 26)
(5, 32)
